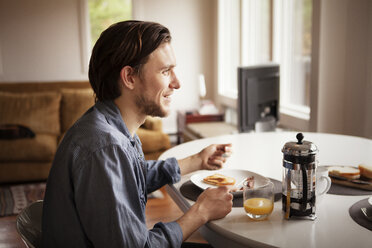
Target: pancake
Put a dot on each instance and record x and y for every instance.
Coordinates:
(219, 180)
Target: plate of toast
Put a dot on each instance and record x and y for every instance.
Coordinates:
(352, 176)
(225, 177)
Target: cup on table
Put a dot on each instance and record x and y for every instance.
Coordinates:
(323, 183)
(258, 202)
(265, 124)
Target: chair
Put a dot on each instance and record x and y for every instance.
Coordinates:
(29, 224)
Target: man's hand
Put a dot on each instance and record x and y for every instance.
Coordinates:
(212, 204)
(210, 158)
(214, 156)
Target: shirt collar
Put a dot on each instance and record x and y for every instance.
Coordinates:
(113, 117)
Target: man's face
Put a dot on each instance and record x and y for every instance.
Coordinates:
(157, 81)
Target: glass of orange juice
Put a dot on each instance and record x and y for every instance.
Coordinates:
(258, 201)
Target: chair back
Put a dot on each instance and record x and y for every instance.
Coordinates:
(29, 224)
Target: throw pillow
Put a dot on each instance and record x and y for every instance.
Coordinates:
(15, 132)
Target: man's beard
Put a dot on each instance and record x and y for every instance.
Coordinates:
(149, 107)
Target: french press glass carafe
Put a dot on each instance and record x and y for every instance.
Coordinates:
(298, 184)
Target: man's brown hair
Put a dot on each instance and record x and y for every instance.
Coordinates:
(127, 43)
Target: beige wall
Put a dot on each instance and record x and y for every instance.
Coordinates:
(344, 100)
(368, 92)
(42, 40)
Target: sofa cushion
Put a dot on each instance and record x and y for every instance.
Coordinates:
(37, 111)
(75, 102)
(11, 172)
(40, 148)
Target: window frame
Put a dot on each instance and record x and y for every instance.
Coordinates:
(291, 115)
(84, 33)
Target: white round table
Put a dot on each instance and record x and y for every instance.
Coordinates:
(261, 153)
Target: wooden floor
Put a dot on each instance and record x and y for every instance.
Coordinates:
(163, 209)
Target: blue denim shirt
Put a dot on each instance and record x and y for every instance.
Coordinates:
(97, 188)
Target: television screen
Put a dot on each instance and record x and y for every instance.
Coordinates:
(258, 95)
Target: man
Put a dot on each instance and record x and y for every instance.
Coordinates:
(97, 187)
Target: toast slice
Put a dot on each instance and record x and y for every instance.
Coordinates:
(344, 171)
(365, 171)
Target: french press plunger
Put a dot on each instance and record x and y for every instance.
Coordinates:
(298, 185)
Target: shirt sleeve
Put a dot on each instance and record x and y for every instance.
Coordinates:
(161, 172)
(111, 204)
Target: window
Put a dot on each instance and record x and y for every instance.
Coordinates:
(103, 13)
(260, 31)
(292, 49)
(228, 47)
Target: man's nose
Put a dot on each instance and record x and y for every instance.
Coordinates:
(175, 83)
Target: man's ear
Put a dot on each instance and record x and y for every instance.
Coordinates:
(127, 77)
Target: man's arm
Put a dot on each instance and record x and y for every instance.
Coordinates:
(210, 158)
(161, 172)
(212, 204)
(110, 202)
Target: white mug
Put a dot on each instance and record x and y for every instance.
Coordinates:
(323, 183)
(266, 124)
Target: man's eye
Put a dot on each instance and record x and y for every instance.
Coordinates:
(166, 72)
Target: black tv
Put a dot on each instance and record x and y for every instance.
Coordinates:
(258, 94)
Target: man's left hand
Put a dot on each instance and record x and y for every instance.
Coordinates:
(214, 156)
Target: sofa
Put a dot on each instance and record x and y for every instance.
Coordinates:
(47, 110)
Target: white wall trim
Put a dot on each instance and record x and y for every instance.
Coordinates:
(227, 101)
(84, 34)
(296, 111)
(288, 121)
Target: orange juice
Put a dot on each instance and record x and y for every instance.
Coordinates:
(258, 206)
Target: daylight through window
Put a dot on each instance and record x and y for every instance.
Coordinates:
(103, 13)
(254, 32)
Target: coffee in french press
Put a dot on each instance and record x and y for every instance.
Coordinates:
(299, 177)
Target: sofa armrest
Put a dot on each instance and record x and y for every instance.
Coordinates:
(153, 123)
(153, 141)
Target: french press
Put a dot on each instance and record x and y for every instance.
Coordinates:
(299, 176)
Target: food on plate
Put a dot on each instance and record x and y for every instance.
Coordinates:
(344, 171)
(249, 182)
(365, 170)
(219, 180)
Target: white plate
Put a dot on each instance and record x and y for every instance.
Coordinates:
(370, 200)
(239, 175)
